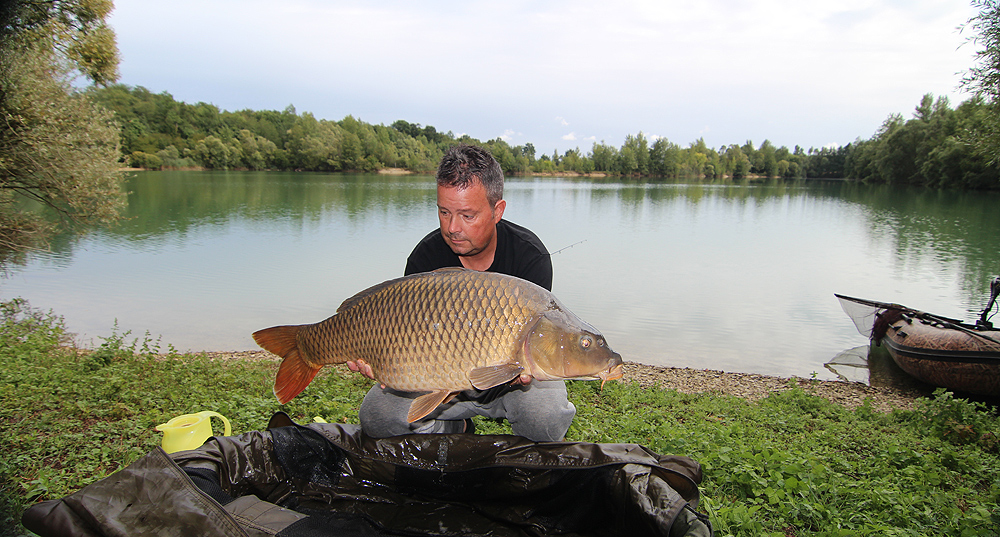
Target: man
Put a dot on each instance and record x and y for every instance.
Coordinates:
(473, 235)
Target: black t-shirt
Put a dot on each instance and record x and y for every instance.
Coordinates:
(519, 253)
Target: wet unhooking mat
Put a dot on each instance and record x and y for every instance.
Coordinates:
(333, 480)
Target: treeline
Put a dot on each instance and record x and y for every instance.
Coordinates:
(160, 132)
(935, 148)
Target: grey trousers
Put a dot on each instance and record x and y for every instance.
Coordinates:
(539, 411)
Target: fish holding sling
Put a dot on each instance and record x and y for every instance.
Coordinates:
(443, 332)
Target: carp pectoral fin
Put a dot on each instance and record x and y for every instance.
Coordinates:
(425, 404)
(487, 377)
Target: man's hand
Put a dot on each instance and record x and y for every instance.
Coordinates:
(362, 367)
(523, 380)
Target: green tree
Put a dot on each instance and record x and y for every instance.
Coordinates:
(529, 151)
(604, 156)
(214, 153)
(405, 127)
(573, 161)
(256, 150)
(768, 161)
(504, 156)
(983, 79)
(74, 30)
(664, 158)
(930, 149)
(637, 148)
(170, 157)
(782, 168)
(138, 159)
(737, 163)
(697, 159)
(544, 165)
(627, 161)
(57, 147)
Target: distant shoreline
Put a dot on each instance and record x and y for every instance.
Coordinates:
(404, 171)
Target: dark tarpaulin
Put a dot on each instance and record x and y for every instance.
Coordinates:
(330, 479)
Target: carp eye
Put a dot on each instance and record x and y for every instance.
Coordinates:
(585, 342)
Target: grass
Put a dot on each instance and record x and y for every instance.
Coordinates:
(791, 464)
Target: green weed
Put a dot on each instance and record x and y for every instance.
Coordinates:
(958, 421)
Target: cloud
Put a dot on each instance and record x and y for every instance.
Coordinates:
(507, 135)
(809, 72)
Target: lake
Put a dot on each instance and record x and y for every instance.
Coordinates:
(733, 276)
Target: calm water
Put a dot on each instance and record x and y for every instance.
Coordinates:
(735, 277)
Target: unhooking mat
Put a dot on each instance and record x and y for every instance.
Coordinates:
(331, 479)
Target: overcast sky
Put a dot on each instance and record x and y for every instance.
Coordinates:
(562, 74)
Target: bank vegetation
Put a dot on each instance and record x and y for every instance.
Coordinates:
(931, 148)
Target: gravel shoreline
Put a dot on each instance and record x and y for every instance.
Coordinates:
(746, 385)
(753, 387)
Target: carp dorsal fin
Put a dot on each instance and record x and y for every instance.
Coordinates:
(362, 294)
(425, 404)
(487, 377)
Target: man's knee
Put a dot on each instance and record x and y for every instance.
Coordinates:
(380, 414)
(542, 413)
(549, 426)
(383, 414)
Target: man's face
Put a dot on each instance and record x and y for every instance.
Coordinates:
(468, 220)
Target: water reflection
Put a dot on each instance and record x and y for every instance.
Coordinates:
(707, 274)
(873, 366)
(173, 202)
(936, 228)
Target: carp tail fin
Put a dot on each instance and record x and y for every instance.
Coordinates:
(294, 374)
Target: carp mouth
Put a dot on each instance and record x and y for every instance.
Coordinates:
(614, 372)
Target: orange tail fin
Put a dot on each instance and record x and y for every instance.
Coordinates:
(294, 374)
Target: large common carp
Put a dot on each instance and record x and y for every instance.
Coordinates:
(444, 332)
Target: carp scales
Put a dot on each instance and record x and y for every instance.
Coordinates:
(444, 332)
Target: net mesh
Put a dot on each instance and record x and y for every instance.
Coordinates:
(864, 313)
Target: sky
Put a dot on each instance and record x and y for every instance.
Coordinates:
(563, 74)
